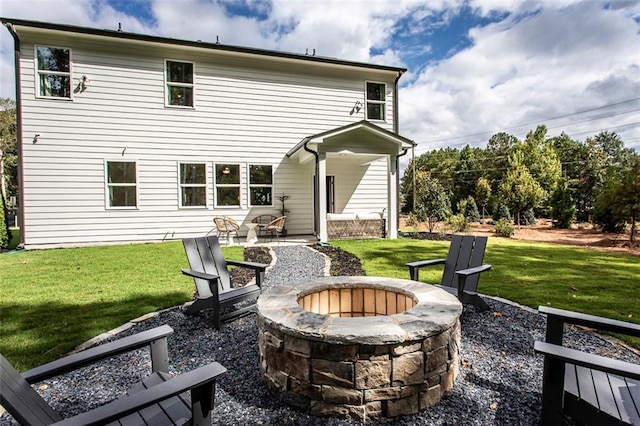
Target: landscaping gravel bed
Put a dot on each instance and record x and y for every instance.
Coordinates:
(499, 382)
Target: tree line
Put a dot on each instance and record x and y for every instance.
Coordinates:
(515, 181)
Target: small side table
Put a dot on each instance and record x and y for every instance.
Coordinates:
(252, 237)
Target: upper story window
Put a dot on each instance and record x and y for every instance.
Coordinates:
(227, 192)
(53, 67)
(260, 185)
(122, 188)
(193, 185)
(376, 101)
(179, 83)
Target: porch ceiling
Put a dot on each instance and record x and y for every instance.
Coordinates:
(362, 139)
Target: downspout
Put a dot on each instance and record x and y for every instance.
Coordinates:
(316, 189)
(396, 130)
(20, 223)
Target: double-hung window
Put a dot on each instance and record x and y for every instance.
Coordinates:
(122, 187)
(376, 100)
(260, 185)
(227, 183)
(193, 184)
(179, 77)
(53, 72)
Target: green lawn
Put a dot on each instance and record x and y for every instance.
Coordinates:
(53, 300)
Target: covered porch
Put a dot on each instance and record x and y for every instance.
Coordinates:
(356, 175)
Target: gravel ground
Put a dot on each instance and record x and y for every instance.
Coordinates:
(499, 381)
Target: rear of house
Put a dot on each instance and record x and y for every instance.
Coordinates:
(126, 137)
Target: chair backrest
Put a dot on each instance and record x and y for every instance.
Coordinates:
(205, 255)
(465, 251)
(22, 401)
(277, 224)
(225, 224)
(263, 219)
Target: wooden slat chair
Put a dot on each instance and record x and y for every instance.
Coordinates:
(214, 289)
(462, 268)
(159, 400)
(591, 389)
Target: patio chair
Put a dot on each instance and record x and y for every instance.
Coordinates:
(158, 399)
(263, 220)
(214, 289)
(591, 389)
(462, 268)
(275, 227)
(225, 226)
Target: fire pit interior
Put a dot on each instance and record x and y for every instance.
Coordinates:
(359, 347)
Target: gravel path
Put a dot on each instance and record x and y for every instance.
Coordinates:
(499, 381)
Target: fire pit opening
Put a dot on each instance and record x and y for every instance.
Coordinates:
(359, 347)
(357, 301)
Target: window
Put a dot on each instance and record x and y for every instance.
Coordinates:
(53, 66)
(193, 185)
(260, 185)
(179, 78)
(376, 100)
(227, 185)
(121, 184)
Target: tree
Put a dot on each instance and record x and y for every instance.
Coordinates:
(467, 171)
(542, 160)
(432, 201)
(439, 163)
(563, 210)
(8, 148)
(519, 190)
(483, 194)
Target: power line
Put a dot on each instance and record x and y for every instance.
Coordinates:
(539, 121)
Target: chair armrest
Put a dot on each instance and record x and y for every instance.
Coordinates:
(89, 356)
(117, 409)
(600, 323)
(473, 271)
(245, 264)
(201, 275)
(422, 263)
(595, 362)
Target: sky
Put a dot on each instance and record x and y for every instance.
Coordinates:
(475, 67)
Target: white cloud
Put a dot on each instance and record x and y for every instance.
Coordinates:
(537, 60)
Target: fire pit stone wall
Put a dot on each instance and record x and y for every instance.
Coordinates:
(391, 353)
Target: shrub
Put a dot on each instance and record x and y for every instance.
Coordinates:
(458, 223)
(412, 222)
(5, 233)
(504, 228)
(501, 212)
(528, 217)
(471, 210)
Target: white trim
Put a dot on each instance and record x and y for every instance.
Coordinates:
(227, 185)
(181, 185)
(37, 73)
(191, 85)
(272, 186)
(383, 102)
(107, 185)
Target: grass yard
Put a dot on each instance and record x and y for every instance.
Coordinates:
(53, 300)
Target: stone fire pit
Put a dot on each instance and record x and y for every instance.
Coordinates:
(359, 347)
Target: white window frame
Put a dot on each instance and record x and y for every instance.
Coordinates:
(370, 101)
(192, 185)
(108, 185)
(238, 185)
(250, 185)
(168, 83)
(38, 73)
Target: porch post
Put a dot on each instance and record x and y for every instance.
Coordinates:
(322, 196)
(392, 203)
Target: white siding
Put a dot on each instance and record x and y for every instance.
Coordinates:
(245, 112)
(359, 188)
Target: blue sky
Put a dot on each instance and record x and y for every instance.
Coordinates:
(475, 67)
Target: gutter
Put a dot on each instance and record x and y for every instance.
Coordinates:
(20, 223)
(396, 129)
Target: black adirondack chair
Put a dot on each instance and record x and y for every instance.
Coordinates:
(214, 289)
(159, 399)
(462, 268)
(589, 388)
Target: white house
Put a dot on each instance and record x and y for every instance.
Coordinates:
(126, 137)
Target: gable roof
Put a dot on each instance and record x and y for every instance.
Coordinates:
(11, 24)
